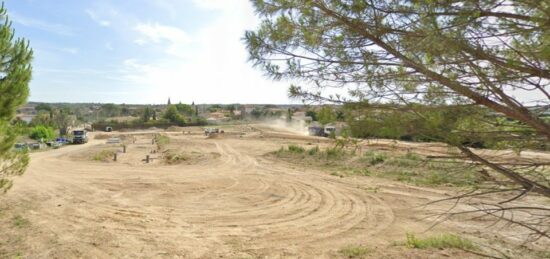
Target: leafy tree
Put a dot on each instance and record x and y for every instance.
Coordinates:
(411, 54)
(289, 114)
(15, 74)
(185, 109)
(111, 110)
(62, 120)
(256, 113)
(326, 115)
(312, 114)
(42, 133)
(43, 107)
(125, 111)
(171, 114)
(147, 113)
(231, 108)
(43, 118)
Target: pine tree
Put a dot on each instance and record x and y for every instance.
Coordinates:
(458, 68)
(15, 75)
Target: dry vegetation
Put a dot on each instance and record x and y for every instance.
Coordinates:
(409, 167)
(243, 196)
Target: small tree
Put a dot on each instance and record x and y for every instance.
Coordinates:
(289, 114)
(15, 74)
(171, 114)
(42, 133)
(146, 114)
(312, 114)
(326, 115)
(185, 109)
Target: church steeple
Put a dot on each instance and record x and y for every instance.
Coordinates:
(169, 101)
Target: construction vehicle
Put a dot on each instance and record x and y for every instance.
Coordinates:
(80, 136)
(320, 131)
(209, 131)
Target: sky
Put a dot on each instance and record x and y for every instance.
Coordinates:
(142, 51)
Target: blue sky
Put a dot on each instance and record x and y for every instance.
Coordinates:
(142, 51)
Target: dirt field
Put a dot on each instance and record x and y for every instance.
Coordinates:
(224, 199)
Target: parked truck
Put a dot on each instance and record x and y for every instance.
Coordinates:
(80, 136)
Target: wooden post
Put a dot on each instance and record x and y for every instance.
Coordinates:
(115, 156)
(124, 149)
(147, 159)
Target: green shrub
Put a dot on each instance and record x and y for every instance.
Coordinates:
(412, 156)
(42, 133)
(440, 242)
(354, 252)
(161, 140)
(335, 152)
(172, 158)
(313, 151)
(377, 159)
(296, 149)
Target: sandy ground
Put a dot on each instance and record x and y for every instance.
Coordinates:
(233, 202)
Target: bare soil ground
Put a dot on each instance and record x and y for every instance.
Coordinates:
(225, 200)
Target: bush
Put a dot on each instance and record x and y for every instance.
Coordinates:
(172, 158)
(440, 242)
(42, 133)
(354, 252)
(296, 149)
(335, 152)
(104, 155)
(375, 158)
(313, 151)
(161, 141)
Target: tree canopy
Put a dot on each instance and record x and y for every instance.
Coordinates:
(460, 66)
(411, 51)
(15, 74)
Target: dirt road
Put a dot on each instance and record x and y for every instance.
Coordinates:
(236, 204)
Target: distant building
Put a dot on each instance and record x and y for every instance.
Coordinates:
(25, 117)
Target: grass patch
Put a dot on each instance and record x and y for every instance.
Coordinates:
(161, 141)
(375, 158)
(296, 149)
(173, 158)
(439, 242)
(104, 155)
(334, 153)
(313, 151)
(408, 167)
(354, 252)
(20, 222)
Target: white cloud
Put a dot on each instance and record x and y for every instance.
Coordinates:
(209, 65)
(157, 33)
(41, 25)
(97, 19)
(175, 39)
